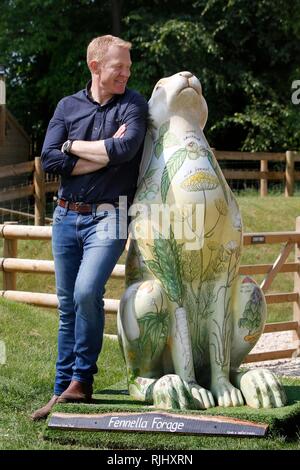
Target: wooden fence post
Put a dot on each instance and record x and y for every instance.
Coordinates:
(289, 173)
(39, 193)
(10, 250)
(264, 181)
(297, 289)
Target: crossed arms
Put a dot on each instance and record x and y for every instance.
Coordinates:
(88, 156)
(92, 154)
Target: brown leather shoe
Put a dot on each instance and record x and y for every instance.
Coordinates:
(78, 392)
(43, 412)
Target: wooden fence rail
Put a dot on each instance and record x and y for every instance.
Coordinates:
(289, 176)
(18, 169)
(10, 265)
(40, 186)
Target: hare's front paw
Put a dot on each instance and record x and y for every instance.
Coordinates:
(262, 389)
(226, 394)
(171, 392)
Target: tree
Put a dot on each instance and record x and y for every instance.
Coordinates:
(246, 55)
(43, 46)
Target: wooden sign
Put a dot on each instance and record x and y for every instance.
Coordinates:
(157, 422)
(256, 239)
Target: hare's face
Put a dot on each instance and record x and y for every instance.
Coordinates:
(180, 94)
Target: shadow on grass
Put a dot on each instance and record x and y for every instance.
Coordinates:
(110, 391)
(293, 393)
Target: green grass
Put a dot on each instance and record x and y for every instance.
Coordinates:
(283, 431)
(273, 213)
(27, 378)
(30, 333)
(270, 214)
(26, 383)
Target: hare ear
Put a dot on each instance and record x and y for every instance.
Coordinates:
(147, 154)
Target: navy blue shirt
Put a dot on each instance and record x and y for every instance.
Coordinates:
(78, 117)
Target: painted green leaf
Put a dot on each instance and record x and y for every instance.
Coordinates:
(158, 148)
(150, 173)
(164, 128)
(170, 139)
(204, 152)
(155, 329)
(173, 165)
(167, 266)
(191, 265)
(219, 174)
(154, 268)
(251, 317)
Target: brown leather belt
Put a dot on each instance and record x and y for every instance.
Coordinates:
(81, 207)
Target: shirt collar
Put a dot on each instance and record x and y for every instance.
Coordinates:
(87, 92)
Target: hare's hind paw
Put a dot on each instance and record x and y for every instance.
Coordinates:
(203, 398)
(169, 392)
(261, 389)
(226, 394)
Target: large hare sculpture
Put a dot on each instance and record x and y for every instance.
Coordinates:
(187, 319)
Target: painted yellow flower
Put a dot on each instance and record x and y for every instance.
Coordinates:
(200, 181)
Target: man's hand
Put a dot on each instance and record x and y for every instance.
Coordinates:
(120, 132)
(92, 154)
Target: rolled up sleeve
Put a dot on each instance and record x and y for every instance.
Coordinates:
(122, 150)
(53, 160)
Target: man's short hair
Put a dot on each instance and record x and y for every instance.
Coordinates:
(98, 47)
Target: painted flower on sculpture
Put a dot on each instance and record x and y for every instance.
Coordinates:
(221, 206)
(192, 146)
(200, 181)
(212, 246)
(237, 223)
(192, 149)
(231, 246)
(256, 297)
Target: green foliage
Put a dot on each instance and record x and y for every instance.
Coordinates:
(155, 326)
(245, 54)
(191, 265)
(166, 139)
(166, 266)
(26, 380)
(251, 318)
(43, 45)
(26, 384)
(174, 163)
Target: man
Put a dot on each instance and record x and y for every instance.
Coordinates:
(94, 141)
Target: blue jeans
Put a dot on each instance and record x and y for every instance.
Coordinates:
(85, 252)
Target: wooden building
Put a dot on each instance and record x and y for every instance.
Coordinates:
(14, 141)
